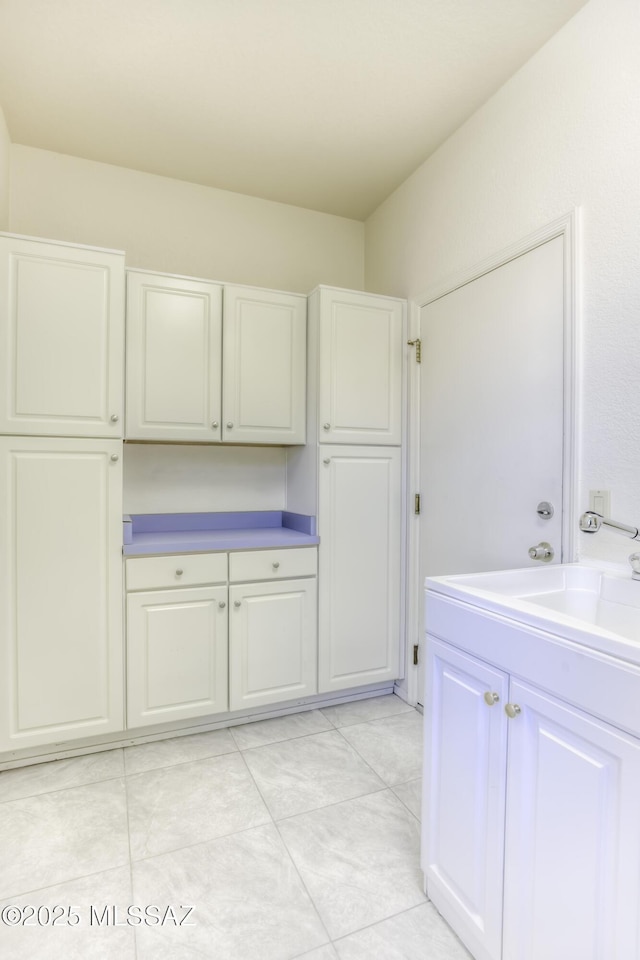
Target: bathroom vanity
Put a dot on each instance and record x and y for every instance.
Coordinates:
(531, 831)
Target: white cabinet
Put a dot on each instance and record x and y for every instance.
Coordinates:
(174, 355)
(360, 367)
(360, 520)
(264, 366)
(272, 642)
(547, 795)
(201, 371)
(61, 339)
(61, 670)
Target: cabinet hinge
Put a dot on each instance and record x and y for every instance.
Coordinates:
(416, 504)
(415, 654)
(417, 343)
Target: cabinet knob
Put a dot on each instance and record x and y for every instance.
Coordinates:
(512, 710)
(114, 418)
(491, 698)
(179, 572)
(326, 426)
(229, 425)
(114, 458)
(215, 425)
(236, 603)
(222, 604)
(327, 460)
(275, 564)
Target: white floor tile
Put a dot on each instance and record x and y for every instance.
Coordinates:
(262, 732)
(359, 860)
(310, 772)
(54, 837)
(411, 795)
(418, 934)
(322, 953)
(393, 746)
(371, 708)
(165, 753)
(67, 939)
(191, 802)
(249, 901)
(60, 774)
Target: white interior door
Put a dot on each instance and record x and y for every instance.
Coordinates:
(492, 417)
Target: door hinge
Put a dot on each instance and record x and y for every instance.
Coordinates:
(417, 343)
(416, 504)
(415, 654)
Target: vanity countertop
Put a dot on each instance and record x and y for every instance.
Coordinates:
(154, 533)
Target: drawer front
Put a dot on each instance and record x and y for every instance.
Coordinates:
(273, 564)
(187, 569)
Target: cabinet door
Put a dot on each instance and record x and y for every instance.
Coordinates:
(174, 331)
(265, 355)
(60, 590)
(359, 566)
(360, 388)
(272, 642)
(464, 795)
(572, 878)
(61, 339)
(176, 654)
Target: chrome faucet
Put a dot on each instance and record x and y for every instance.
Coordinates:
(590, 522)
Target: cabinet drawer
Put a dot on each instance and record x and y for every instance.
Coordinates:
(273, 564)
(149, 573)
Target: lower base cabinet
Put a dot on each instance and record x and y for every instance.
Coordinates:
(531, 844)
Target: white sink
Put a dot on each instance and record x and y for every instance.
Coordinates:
(599, 604)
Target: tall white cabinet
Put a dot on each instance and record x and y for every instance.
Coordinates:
(61, 330)
(350, 475)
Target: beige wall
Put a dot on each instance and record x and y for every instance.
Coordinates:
(564, 132)
(179, 227)
(5, 147)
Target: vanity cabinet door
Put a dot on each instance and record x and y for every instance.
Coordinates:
(572, 874)
(61, 339)
(272, 642)
(265, 356)
(60, 590)
(176, 654)
(464, 795)
(360, 374)
(174, 361)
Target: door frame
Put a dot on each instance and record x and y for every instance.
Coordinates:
(567, 227)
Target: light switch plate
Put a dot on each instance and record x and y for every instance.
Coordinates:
(600, 502)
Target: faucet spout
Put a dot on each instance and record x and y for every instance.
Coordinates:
(590, 522)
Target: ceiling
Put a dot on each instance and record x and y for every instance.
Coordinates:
(326, 104)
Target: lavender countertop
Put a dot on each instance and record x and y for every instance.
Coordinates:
(150, 533)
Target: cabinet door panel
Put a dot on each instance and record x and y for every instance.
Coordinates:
(572, 884)
(264, 380)
(174, 331)
(177, 654)
(360, 368)
(359, 566)
(61, 339)
(60, 589)
(464, 798)
(272, 642)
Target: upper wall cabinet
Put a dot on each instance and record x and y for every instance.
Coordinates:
(360, 367)
(61, 339)
(174, 349)
(201, 371)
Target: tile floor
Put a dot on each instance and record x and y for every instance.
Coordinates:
(296, 837)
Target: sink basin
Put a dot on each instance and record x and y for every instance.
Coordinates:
(577, 600)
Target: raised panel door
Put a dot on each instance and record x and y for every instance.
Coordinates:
(174, 358)
(359, 519)
(272, 642)
(572, 878)
(176, 654)
(464, 795)
(61, 339)
(264, 383)
(360, 382)
(60, 589)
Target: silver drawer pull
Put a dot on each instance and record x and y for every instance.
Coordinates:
(491, 698)
(179, 572)
(275, 564)
(215, 425)
(114, 458)
(114, 418)
(236, 603)
(229, 425)
(222, 604)
(512, 710)
(326, 426)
